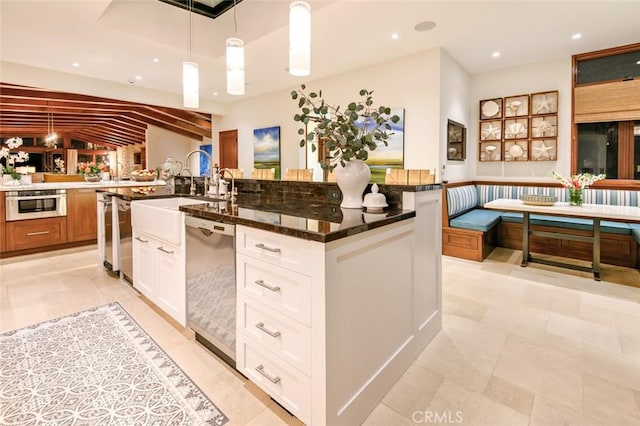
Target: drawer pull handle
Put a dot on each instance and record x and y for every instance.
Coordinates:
(260, 369)
(141, 240)
(272, 250)
(162, 249)
(267, 286)
(260, 326)
(31, 234)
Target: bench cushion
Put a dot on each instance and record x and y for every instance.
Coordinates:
(477, 219)
(461, 198)
(570, 222)
(635, 231)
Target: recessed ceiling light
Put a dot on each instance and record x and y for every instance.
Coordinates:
(637, 62)
(156, 60)
(424, 26)
(138, 77)
(395, 36)
(576, 36)
(495, 54)
(215, 93)
(75, 65)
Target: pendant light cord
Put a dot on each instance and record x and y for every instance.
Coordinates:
(235, 20)
(190, 26)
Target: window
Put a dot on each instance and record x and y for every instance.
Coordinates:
(606, 113)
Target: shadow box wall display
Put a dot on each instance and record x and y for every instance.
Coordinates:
(456, 141)
(519, 127)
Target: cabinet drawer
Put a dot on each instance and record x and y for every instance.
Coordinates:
(292, 253)
(291, 389)
(26, 234)
(287, 338)
(285, 291)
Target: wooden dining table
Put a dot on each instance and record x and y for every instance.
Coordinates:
(595, 212)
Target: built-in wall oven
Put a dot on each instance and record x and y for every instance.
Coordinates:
(36, 204)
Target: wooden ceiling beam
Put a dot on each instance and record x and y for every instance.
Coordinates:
(122, 115)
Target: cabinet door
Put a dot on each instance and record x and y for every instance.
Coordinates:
(170, 285)
(144, 269)
(82, 221)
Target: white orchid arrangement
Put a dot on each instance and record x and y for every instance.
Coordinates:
(59, 163)
(12, 158)
(579, 181)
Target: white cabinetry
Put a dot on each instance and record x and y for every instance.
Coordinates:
(274, 276)
(159, 274)
(159, 254)
(326, 329)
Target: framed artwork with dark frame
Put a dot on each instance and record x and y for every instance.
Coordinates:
(516, 150)
(456, 141)
(544, 102)
(544, 150)
(516, 106)
(544, 126)
(490, 151)
(490, 109)
(516, 128)
(491, 130)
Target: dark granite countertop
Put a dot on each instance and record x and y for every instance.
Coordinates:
(305, 218)
(315, 222)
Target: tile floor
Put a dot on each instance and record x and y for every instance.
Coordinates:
(519, 346)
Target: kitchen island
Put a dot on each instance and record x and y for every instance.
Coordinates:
(333, 304)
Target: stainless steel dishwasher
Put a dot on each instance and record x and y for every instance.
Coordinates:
(211, 285)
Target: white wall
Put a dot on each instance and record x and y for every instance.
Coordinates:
(539, 77)
(412, 83)
(161, 143)
(455, 90)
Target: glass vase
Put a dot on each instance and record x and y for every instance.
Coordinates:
(575, 196)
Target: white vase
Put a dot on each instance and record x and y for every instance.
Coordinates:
(352, 179)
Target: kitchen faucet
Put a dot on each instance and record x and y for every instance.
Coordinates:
(233, 183)
(211, 169)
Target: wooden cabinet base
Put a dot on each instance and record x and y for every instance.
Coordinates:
(467, 243)
(35, 233)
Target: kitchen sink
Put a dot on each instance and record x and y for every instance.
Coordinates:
(161, 218)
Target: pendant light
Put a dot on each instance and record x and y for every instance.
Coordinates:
(299, 38)
(235, 60)
(51, 138)
(190, 77)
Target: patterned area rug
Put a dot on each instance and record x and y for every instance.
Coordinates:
(96, 367)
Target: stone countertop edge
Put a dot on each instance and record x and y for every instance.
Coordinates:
(103, 185)
(195, 210)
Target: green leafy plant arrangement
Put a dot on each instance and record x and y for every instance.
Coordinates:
(348, 134)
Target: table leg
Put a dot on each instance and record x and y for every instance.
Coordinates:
(525, 239)
(596, 249)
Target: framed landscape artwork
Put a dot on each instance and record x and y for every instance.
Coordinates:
(204, 161)
(266, 149)
(391, 156)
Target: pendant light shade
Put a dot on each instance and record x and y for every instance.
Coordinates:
(235, 66)
(299, 38)
(190, 83)
(190, 77)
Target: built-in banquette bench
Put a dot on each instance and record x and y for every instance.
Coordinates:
(471, 232)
